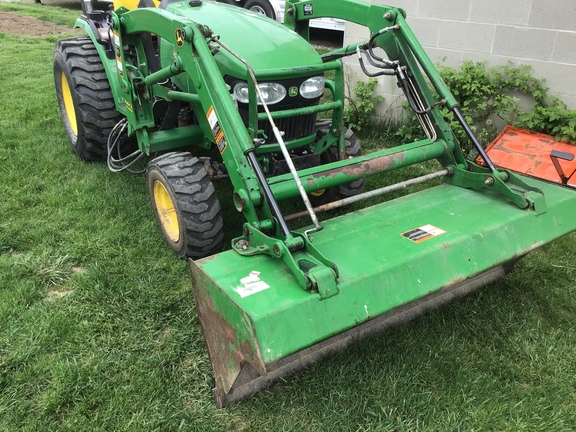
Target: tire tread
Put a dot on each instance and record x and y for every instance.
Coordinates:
(96, 111)
(196, 200)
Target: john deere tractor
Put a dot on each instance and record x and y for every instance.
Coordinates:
(180, 79)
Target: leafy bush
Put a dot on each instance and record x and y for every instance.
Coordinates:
(360, 109)
(554, 119)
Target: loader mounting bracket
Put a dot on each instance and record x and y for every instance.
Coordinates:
(312, 270)
(505, 183)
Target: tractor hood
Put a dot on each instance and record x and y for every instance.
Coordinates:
(262, 42)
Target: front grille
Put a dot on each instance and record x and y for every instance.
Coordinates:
(293, 127)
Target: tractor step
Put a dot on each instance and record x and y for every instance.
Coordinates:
(259, 324)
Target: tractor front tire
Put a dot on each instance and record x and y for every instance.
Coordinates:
(185, 205)
(84, 97)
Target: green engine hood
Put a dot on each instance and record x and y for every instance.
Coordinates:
(262, 42)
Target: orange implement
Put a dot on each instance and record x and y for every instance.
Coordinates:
(534, 154)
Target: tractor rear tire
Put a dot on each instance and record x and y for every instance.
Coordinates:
(352, 149)
(185, 205)
(84, 98)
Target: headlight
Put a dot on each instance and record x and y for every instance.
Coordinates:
(312, 87)
(271, 92)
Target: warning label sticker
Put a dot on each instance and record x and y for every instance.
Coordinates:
(117, 53)
(216, 130)
(425, 232)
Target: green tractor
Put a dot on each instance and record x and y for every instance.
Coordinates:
(180, 79)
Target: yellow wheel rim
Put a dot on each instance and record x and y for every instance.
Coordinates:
(68, 103)
(166, 212)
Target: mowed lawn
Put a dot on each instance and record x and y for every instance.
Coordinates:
(98, 328)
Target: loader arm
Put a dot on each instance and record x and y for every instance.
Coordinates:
(192, 57)
(409, 62)
(266, 231)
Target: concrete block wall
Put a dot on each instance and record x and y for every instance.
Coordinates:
(541, 33)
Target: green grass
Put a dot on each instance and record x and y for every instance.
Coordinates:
(98, 329)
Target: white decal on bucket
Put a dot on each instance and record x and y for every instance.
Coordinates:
(251, 284)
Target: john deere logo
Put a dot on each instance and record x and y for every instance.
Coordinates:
(293, 91)
(180, 37)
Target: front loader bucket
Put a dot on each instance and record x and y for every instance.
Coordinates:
(396, 260)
